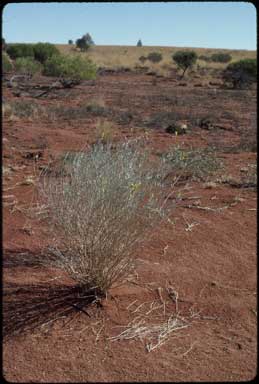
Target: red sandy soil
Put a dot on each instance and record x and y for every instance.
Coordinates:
(211, 266)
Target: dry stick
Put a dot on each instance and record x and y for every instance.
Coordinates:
(98, 333)
(207, 208)
(189, 350)
(159, 290)
(133, 302)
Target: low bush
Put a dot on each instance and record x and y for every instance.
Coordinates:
(105, 132)
(205, 58)
(221, 57)
(27, 65)
(142, 59)
(154, 57)
(196, 164)
(43, 51)
(70, 67)
(6, 63)
(101, 210)
(240, 74)
(20, 50)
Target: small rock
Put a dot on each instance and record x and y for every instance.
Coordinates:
(210, 185)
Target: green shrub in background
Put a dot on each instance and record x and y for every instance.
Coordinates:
(43, 51)
(241, 74)
(154, 57)
(27, 65)
(142, 59)
(204, 58)
(185, 60)
(20, 50)
(6, 63)
(70, 67)
(221, 57)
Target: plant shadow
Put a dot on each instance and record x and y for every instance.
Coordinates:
(27, 307)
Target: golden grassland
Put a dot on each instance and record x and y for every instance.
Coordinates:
(111, 56)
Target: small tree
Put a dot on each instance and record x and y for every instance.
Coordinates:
(43, 51)
(241, 74)
(82, 45)
(139, 43)
(185, 60)
(88, 39)
(154, 57)
(70, 42)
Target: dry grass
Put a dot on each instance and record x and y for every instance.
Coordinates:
(128, 56)
(105, 132)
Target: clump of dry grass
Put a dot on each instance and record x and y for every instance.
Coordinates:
(105, 132)
(196, 164)
(101, 208)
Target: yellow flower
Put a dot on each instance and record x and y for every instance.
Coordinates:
(135, 186)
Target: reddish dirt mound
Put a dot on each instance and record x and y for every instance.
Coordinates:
(202, 265)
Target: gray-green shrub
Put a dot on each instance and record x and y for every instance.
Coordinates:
(101, 208)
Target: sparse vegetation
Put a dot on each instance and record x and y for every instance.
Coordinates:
(185, 60)
(102, 209)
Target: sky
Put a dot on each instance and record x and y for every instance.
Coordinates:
(181, 24)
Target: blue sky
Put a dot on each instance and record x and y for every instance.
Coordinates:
(182, 24)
